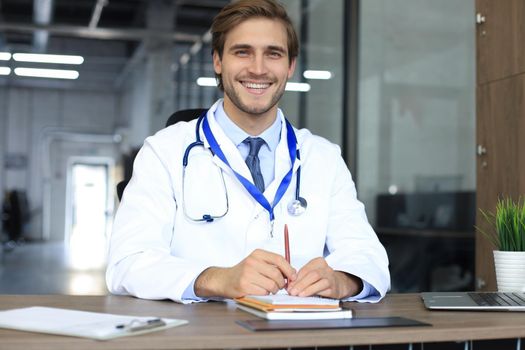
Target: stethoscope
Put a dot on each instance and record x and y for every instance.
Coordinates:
(296, 207)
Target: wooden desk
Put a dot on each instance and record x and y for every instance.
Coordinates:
(212, 325)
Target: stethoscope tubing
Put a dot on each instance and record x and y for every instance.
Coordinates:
(198, 142)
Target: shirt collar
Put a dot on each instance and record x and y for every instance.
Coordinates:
(271, 135)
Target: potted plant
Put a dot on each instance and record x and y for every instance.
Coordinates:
(508, 238)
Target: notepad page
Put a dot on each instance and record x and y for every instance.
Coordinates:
(285, 299)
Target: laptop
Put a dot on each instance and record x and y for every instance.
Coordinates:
(486, 301)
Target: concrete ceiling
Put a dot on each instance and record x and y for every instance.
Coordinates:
(108, 33)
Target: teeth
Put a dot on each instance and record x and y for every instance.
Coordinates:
(256, 85)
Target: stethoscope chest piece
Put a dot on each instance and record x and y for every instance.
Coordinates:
(297, 206)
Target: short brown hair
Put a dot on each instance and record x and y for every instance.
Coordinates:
(239, 11)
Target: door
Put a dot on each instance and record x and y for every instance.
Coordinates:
(500, 100)
(89, 214)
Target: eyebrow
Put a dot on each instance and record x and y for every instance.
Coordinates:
(277, 48)
(247, 46)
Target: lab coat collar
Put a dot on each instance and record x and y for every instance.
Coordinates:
(282, 157)
(237, 135)
(227, 146)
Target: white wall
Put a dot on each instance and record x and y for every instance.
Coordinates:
(36, 117)
(148, 95)
(135, 106)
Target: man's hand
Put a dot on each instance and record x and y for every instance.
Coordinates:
(317, 278)
(260, 273)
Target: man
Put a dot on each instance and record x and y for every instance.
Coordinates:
(206, 222)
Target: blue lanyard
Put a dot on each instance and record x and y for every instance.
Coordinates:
(254, 191)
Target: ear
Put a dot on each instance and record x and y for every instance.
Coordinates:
(291, 68)
(217, 64)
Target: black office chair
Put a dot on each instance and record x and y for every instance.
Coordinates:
(184, 115)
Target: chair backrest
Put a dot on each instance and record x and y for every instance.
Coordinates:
(120, 188)
(184, 115)
(15, 214)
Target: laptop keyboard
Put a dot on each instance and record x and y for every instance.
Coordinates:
(498, 299)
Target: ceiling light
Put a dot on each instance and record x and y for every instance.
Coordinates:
(47, 73)
(5, 56)
(196, 47)
(42, 58)
(184, 58)
(205, 81)
(317, 74)
(302, 87)
(5, 70)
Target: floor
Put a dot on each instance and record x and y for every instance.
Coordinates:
(46, 268)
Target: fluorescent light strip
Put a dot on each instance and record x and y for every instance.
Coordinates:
(42, 58)
(317, 74)
(302, 87)
(5, 70)
(5, 56)
(205, 81)
(47, 73)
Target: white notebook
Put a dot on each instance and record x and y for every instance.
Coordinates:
(285, 299)
(99, 326)
(298, 315)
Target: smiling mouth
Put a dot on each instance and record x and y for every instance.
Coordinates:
(257, 86)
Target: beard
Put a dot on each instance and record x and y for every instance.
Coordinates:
(236, 99)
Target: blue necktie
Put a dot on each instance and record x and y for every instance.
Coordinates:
(252, 161)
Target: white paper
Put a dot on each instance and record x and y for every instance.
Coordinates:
(75, 323)
(285, 299)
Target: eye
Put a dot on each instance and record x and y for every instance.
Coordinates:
(275, 54)
(241, 53)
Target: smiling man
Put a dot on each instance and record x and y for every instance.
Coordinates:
(253, 66)
(205, 220)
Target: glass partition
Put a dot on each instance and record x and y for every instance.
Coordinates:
(416, 137)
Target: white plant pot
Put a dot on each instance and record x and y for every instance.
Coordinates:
(510, 271)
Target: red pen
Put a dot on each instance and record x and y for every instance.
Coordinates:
(286, 249)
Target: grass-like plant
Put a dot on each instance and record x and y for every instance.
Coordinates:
(509, 225)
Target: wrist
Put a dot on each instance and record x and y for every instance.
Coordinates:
(352, 285)
(207, 284)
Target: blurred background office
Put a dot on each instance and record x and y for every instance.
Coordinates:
(391, 81)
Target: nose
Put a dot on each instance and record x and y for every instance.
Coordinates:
(258, 64)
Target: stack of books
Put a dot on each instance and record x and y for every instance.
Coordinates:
(287, 307)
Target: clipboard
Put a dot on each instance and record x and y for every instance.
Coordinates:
(361, 322)
(93, 325)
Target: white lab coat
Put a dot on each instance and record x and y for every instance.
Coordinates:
(156, 251)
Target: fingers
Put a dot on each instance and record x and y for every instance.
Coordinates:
(315, 278)
(254, 287)
(312, 284)
(263, 275)
(276, 260)
(260, 273)
(308, 284)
